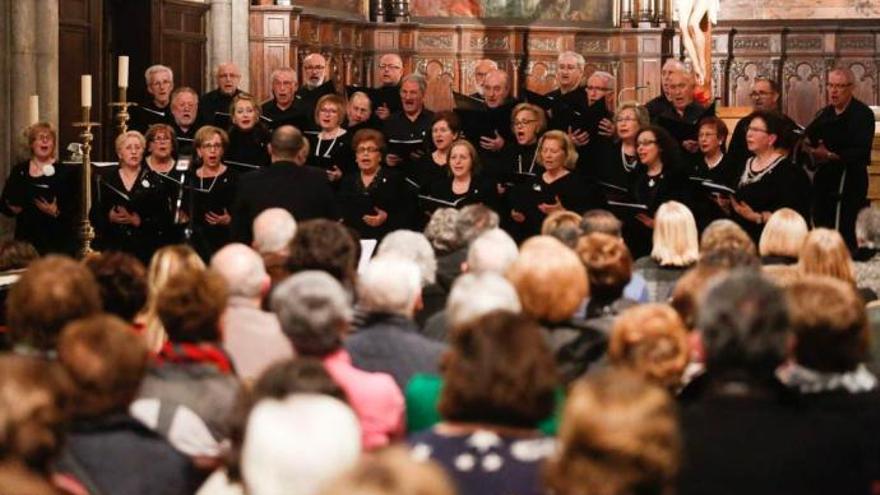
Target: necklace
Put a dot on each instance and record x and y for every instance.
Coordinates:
(329, 148)
(628, 164)
(751, 177)
(211, 186)
(519, 166)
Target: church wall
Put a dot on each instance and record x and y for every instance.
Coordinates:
(798, 9)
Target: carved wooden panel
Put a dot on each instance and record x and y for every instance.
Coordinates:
(742, 76)
(866, 81)
(804, 84)
(541, 76)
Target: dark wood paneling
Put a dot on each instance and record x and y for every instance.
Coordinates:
(179, 40)
(80, 42)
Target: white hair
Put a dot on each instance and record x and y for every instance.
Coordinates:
(476, 294)
(579, 59)
(492, 251)
(297, 445)
(243, 270)
(415, 247)
(281, 70)
(390, 284)
(606, 76)
(153, 69)
(273, 230)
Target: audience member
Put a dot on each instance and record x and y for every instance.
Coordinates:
(651, 340)
(415, 247)
(867, 257)
(603, 221)
(824, 252)
(782, 237)
(441, 232)
(472, 220)
(122, 279)
(273, 230)
(726, 234)
(325, 245)
(392, 472)
(675, 250)
(609, 269)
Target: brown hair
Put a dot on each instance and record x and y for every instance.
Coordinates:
(549, 278)
(560, 219)
(689, 290)
(608, 264)
(618, 435)
(52, 292)
(122, 279)
(451, 119)
(154, 129)
(718, 125)
(650, 339)
(15, 255)
(392, 471)
(207, 132)
(106, 361)
(726, 234)
(368, 135)
(34, 130)
(191, 305)
(258, 111)
(475, 157)
(324, 245)
(825, 253)
(829, 323)
(498, 370)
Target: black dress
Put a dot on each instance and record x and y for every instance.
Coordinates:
(46, 233)
(614, 169)
(650, 191)
(425, 172)
(172, 188)
(147, 198)
(209, 195)
(440, 195)
(247, 150)
(386, 192)
(327, 153)
(703, 182)
(782, 185)
(573, 193)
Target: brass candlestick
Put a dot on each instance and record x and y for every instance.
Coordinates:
(122, 116)
(86, 232)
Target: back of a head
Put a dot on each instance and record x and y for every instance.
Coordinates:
(106, 362)
(392, 471)
(608, 264)
(167, 261)
(122, 279)
(729, 258)
(690, 289)
(824, 252)
(675, 235)
(15, 255)
(726, 234)
(744, 324)
(868, 228)
(287, 143)
(324, 245)
(829, 323)
(559, 220)
(413, 246)
(243, 270)
(191, 305)
(473, 220)
(476, 294)
(492, 251)
(52, 292)
(441, 231)
(314, 310)
(389, 284)
(298, 445)
(602, 221)
(619, 435)
(273, 230)
(651, 340)
(549, 278)
(784, 234)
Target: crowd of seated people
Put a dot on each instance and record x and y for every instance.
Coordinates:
(533, 321)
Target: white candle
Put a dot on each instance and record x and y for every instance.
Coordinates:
(86, 87)
(33, 109)
(123, 71)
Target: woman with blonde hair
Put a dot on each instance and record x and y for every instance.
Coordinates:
(651, 340)
(782, 237)
(619, 436)
(675, 249)
(168, 261)
(824, 252)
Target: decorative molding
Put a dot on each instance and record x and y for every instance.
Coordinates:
(592, 45)
(856, 43)
(436, 41)
(752, 43)
(812, 43)
(544, 44)
(489, 43)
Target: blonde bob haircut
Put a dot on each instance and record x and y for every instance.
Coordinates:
(784, 234)
(549, 278)
(651, 339)
(675, 236)
(207, 132)
(537, 111)
(824, 252)
(125, 136)
(571, 154)
(642, 115)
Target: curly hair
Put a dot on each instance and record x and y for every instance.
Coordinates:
(324, 245)
(608, 264)
(123, 282)
(650, 339)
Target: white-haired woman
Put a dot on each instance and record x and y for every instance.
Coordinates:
(676, 248)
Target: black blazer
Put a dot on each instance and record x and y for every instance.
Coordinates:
(302, 190)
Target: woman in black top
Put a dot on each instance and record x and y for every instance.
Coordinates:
(161, 150)
(555, 189)
(769, 180)
(715, 168)
(330, 147)
(248, 136)
(210, 193)
(432, 167)
(463, 185)
(615, 170)
(130, 209)
(42, 194)
(374, 201)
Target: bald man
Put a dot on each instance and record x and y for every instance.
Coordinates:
(252, 337)
(214, 105)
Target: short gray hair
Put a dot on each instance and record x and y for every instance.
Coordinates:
(476, 294)
(492, 251)
(415, 247)
(868, 227)
(441, 231)
(389, 284)
(579, 59)
(273, 230)
(279, 71)
(418, 79)
(313, 310)
(154, 69)
(243, 270)
(473, 220)
(607, 77)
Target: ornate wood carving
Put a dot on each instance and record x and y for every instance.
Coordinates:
(804, 83)
(489, 42)
(435, 41)
(804, 43)
(752, 43)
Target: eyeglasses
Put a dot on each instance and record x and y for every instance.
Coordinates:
(760, 94)
(523, 123)
(314, 67)
(212, 146)
(757, 129)
(229, 76)
(366, 149)
(328, 110)
(646, 142)
(597, 88)
(626, 119)
(389, 67)
(161, 139)
(838, 86)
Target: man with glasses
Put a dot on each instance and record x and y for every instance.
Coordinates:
(765, 96)
(839, 141)
(481, 68)
(185, 111)
(387, 100)
(661, 103)
(285, 108)
(214, 105)
(315, 83)
(155, 110)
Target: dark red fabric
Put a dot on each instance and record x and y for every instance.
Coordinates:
(203, 353)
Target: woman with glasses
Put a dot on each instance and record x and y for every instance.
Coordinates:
(330, 147)
(161, 152)
(210, 191)
(614, 170)
(769, 180)
(714, 173)
(248, 136)
(373, 201)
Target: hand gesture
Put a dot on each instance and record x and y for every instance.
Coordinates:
(744, 210)
(13, 208)
(821, 153)
(606, 128)
(392, 160)
(517, 216)
(492, 144)
(334, 173)
(579, 137)
(376, 220)
(548, 208)
(48, 207)
(221, 219)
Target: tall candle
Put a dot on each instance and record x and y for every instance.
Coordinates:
(123, 71)
(33, 109)
(86, 87)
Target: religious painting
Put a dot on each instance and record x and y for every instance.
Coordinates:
(526, 11)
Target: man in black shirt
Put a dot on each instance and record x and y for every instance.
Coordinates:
(184, 112)
(390, 74)
(156, 109)
(481, 68)
(359, 113)
(765, 96)
(315, 83)
(840, 140)
(285, 108)
(661, 103)
(214, 105)
(409, 131)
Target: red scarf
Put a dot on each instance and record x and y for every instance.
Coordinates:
(203, 353)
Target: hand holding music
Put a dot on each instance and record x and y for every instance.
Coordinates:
(222, 219)
(579, 137)
(376, 220)
(548, 208)
(492, 144)
(48, 207)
